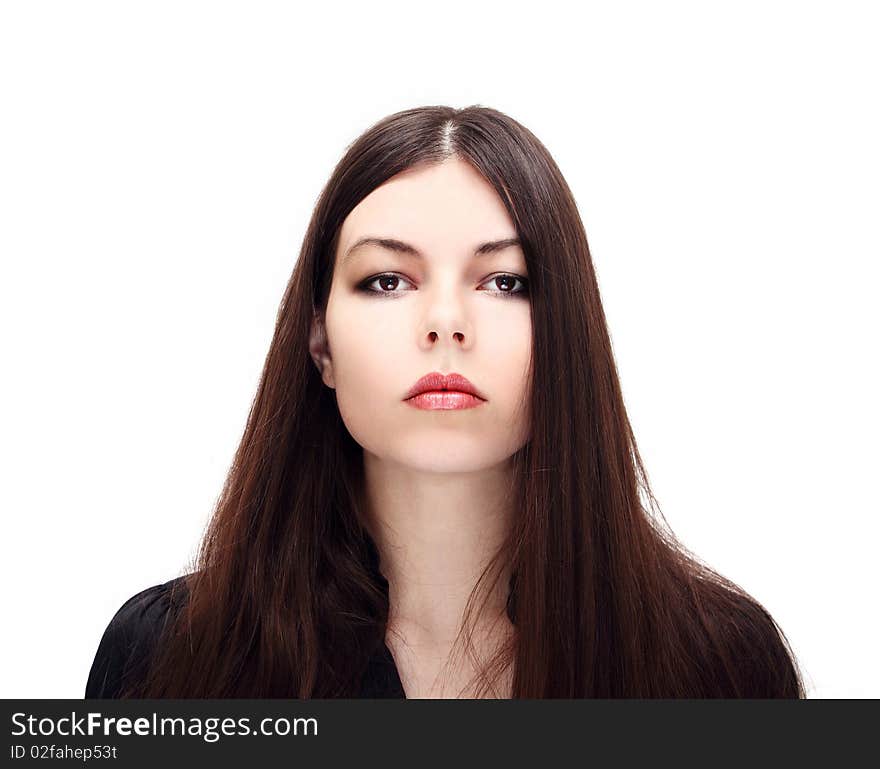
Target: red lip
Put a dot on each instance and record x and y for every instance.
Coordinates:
(437, 382)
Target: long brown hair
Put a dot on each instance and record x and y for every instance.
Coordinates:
(285, 598)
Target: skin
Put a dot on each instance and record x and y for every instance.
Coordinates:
(436, 480)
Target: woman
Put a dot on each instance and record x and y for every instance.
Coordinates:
(438, 492)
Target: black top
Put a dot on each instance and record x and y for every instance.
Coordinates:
(130, 639)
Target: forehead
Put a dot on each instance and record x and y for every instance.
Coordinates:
(446, 205)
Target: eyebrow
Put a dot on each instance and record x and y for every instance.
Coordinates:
(398, 246)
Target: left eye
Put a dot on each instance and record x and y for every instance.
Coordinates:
(509, 280)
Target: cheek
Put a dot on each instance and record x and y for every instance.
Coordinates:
(510, 368)
(365, 348)
(505, 348)
(368, 372)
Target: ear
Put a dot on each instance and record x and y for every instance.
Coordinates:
(319, 349)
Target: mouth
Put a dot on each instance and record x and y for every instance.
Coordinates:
(444, 391)
(444, 400)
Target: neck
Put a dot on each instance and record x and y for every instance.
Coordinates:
(436, 533)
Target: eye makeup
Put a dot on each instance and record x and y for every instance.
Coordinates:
(509, 278)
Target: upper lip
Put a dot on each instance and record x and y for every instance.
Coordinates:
(436, 381)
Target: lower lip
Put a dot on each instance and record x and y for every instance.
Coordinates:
(445, 400)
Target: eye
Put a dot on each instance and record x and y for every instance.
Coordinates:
(389, 280)
(384, 280)
(509, 279)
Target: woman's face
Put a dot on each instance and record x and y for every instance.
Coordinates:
(450, 310)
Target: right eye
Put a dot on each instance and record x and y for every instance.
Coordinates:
(383, 281)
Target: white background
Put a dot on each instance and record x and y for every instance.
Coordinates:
(158, 165)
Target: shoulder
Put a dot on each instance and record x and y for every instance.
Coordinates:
(760, 656)
(131, 636)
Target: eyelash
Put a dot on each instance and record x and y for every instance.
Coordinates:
(364, 287)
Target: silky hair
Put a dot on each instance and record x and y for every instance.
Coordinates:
(285, 597)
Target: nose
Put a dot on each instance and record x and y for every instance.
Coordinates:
(445, 323)
(448, 335)
(456, 335)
